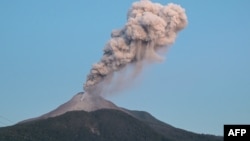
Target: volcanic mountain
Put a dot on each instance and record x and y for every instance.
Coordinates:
(80, 102)
(92, 118)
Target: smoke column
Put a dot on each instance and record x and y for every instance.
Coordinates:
(149, 28)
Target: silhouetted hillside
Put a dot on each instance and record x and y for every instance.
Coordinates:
(100, 125)
(170, 132)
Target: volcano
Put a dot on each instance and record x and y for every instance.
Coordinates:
(80, 102)
(93, 118)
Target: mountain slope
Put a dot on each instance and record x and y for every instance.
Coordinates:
(79, 102)
(170, 132)
(91, 117)
(100, 125)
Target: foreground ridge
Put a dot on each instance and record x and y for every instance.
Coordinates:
(100, 125)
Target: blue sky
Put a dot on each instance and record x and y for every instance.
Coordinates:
(47, 49)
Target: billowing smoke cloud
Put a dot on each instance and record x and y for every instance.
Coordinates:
(150, 27)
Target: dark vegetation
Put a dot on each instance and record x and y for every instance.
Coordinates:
(101, 125)
(171, 133)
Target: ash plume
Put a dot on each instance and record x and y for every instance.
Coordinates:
(149, 28)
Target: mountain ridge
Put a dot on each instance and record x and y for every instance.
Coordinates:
(100, 125)
(92, 114)
(79, 102)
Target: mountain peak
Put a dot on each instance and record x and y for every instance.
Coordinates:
(80, 102)
(87, 116)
